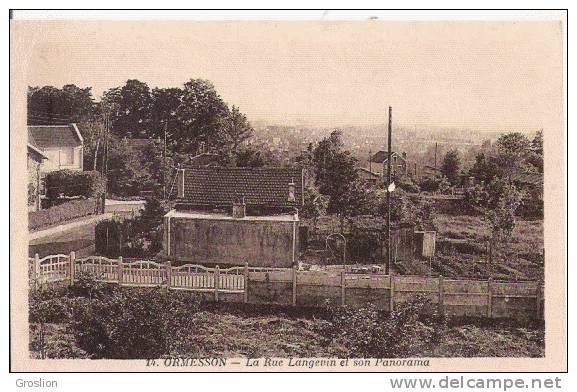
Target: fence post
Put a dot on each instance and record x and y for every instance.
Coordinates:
(294, 299)
(36, 271)
(490, 297)
(343, 287)
(72, 261)
(168, 274)
(246, 282)
(120, 270)
(442, 294)
(392, 293)
(216, 282)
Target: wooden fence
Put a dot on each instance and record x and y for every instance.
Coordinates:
(290, 286)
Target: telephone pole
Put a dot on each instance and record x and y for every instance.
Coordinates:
(388, 261)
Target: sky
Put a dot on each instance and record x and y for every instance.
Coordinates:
(480, 75)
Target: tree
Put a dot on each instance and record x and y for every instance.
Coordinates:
(451, 165)
(485, 169)
(502, 215)
(51, 105)
(315, 204)
(129, 108)
(127, 174)
(512, 151)
(199, 115)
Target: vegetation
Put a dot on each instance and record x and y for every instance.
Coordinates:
(451, 167)
(61, 213)
(232, 330)
(139, 236)
(73, 183)
(409, 330)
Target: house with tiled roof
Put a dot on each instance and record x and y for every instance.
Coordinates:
(233, 215)
(398, 161)
(62, 146)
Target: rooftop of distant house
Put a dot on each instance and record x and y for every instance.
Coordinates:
(216, 186)
(382, 156)
(54, 136)
(528, 178)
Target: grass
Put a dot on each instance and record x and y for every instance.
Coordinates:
(230, 330)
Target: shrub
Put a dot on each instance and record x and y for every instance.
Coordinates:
(61, 213)
(136, 324)
(71, 183)
(87, 285)
(407, 184)
(435, 184)
(373, 333)
(137, 237)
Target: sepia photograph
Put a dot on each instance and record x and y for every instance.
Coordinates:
(365, 195)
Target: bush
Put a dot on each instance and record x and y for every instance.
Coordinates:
(373, 333)
(62, 213)
(137, 237)
(136, 324)
(86, 285)
(71, 183)
(435, 184)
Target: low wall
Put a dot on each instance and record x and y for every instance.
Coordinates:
(292, 287)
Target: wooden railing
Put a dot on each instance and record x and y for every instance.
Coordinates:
(290, 286)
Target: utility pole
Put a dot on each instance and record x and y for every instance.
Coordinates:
(388, 264)
(370, 161)
(436, 145)
(164, 162)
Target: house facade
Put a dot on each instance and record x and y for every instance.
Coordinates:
(62, 146)
(398, 162)
(229, 216)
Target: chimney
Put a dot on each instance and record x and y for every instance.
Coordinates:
(291, 192)
(239, 209)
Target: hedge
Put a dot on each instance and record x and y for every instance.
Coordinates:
(61, 213)
(72, 183)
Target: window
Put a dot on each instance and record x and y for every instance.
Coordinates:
(67, 156)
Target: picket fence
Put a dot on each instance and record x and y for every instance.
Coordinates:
(290, 286)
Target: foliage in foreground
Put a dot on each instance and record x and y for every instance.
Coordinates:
(409, 330)
(136, 323)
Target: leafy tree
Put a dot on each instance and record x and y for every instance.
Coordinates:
(512, 151)
(130, 109)
(502, 216)
(127, 175)
(51, 105)
(451, 166)
(485, 168)
(199, 115)
(315, 203)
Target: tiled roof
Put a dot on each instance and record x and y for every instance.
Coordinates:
(46, 136)
(382, 156)
(222, 186)
(528, 178)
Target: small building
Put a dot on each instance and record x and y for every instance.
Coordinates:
(532, 182)
(61, 144)
(368, 176)
(232, 215)
(398, 162)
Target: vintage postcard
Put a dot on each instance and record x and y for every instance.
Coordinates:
(349, 195)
